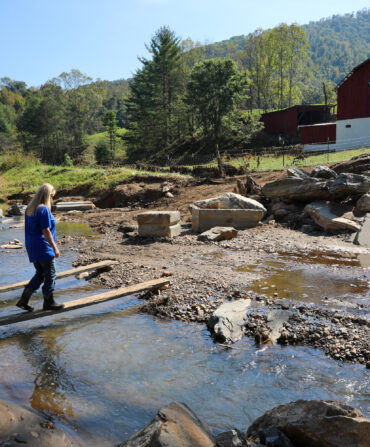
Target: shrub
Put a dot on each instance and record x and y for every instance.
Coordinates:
(68, 162)
(16, 159)
(103, 153)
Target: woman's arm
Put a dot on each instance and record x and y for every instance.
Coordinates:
(49, 237)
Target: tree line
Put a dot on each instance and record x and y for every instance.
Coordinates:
(181, 100)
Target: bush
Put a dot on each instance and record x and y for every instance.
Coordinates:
(17, 159)
(103, 153)
(68, 162)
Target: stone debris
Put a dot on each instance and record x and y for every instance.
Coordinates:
(363, 203)
(228, 201)
(15, 244)
(218, 234)
(363, 235)
(227, 322)
(332, 217)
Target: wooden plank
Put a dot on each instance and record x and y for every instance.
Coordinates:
(84, 302)
(76, 271)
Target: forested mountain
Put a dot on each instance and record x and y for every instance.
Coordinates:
(186, 96)
(336, 44)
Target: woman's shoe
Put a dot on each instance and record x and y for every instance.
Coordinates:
(23, 301)
(50, 304)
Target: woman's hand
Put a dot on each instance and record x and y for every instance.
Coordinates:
(56, 252)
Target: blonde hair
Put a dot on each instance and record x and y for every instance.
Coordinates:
(42, 197)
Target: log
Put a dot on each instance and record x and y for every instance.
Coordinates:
(84, 302)
(76, 271)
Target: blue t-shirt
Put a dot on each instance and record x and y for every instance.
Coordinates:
(38, 248)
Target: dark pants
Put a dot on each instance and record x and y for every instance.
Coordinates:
(45, 273)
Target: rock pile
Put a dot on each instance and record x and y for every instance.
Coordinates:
(296, 424)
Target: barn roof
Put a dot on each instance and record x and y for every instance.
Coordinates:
(352, 71)
(304, 107)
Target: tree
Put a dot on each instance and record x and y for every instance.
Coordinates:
(215, 88)
(110, 123)
(154, 92)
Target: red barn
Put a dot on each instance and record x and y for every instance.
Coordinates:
(286, 122)
(353, 114)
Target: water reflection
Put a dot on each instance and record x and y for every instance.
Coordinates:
(51, 381)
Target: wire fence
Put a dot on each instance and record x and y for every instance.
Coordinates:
(233, 163)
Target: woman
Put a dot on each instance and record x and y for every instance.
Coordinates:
(41, 248)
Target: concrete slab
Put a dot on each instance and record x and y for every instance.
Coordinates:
(158, 218)
(240, 219)
(74, 206)
(160, 230)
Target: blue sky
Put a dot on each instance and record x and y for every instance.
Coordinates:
(103, 38)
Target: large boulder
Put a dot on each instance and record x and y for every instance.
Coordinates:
(349, 185)
(331, 217)
(21, 426)
(230, 200)
(357, 165)
(310, 188)
(296, 188)
(17, 210)
(226, 324)
(174, 425)
(316, 424)
(297, 172)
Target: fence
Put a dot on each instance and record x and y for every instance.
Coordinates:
(238, 163)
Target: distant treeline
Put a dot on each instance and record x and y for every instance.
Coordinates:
(186, 97)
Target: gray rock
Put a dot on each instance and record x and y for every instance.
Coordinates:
(21, 426)
(74, 206)
(227, 322)
(17, 210)
(294, 188)
(275, 319)
(357, 165)
(316, 424)
(272, 437)
(218, 234)
(174, 425)
(363, 236)
(349, 184)
(363, 203)
(230, 200)
(323, 172)
(232, 438)
(1, 213)
(331, 217)
(298, 173)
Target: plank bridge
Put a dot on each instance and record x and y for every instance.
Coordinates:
(154, 284)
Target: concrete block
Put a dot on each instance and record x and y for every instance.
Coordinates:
(165, 218)
(71, 206)
(240, 219)
(160, 230)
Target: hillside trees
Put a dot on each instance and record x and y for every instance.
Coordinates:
(275, 60)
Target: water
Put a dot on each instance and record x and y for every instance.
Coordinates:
(104, 371)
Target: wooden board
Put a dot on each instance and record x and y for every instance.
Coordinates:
(76, 271)
(83, 302)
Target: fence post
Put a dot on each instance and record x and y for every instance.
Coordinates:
(328, 151)
(219, 163)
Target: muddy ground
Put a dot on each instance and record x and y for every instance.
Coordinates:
(205, 275)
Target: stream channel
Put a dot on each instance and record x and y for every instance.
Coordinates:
(104, 371)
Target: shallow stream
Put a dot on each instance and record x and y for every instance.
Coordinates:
(104, 371)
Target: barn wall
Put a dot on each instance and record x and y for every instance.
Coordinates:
(318, 134)
(354, 95)
(281, 122)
